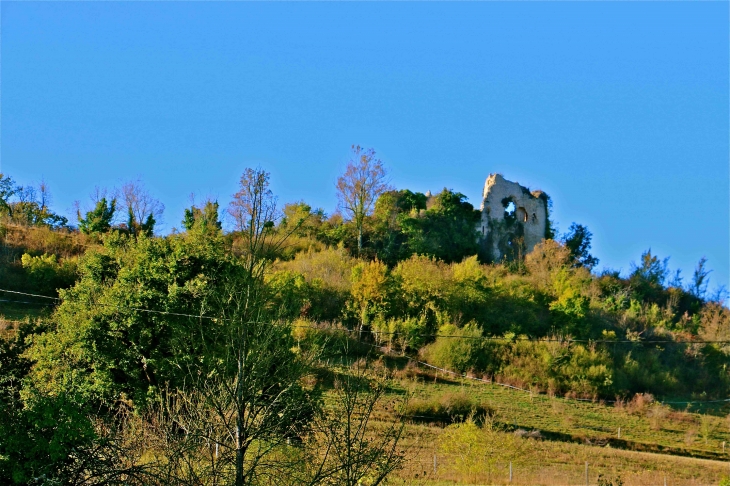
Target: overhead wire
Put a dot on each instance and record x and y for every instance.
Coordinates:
(408, 335)
(420, 363)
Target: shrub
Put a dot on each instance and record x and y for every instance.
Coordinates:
(459, 349)
(546, 258)
(448, 408)
(46, 274)
(422, 284)
(332, 266)
(405, 334)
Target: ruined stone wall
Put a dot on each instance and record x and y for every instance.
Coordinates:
(514, 219)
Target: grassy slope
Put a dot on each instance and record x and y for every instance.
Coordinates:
(573, 433)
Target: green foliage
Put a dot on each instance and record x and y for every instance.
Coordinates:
(135, 227)
(578, 241)
(99, 219)
(7, 191)
(402, 226)
(204, 220)
(98, 328)
(143, 210)
(292, 296)
(418, 286)
(476, 450)
(43, 436)
(550, 229)
(371, 292)
(446, 231)
(28, 205)
(700, 279)
(301, 219)
(571, 307)
(422, 283)
(460, 349)
(571, 369)
(407, 334)
(46, 274)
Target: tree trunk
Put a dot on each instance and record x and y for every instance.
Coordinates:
(239, 452)
(359, 239)
(239, 427)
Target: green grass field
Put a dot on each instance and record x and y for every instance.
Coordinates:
(657, 443)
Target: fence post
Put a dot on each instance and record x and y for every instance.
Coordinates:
(434, 464)
(510, 471)
(586, 473)
(619, 432)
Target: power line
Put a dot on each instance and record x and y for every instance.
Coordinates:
(25, 302)
(421, 363)
(410, 336)
(29, 295)
(505, 385)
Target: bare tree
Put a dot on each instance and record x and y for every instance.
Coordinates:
(364, 180)
(244, 401)
(349, 444)
(244, 404)
(142, 210)
(255, 214)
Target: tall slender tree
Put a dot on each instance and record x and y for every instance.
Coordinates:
(364, 180)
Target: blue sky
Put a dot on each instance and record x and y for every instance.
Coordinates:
(618, 110)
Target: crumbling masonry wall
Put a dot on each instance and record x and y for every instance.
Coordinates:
(514, 219)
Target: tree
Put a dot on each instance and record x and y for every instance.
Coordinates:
(447, 230)
(652, 270)
(244, 403)
(578, 241)
(254, 213)
(28, 205)
(360, 186)
(99, 219)
(7, 190)
(388, 241)
(348, 451)
(249, 387)
(647, 279)
(700, 280)
(302, 216)
(203, 219)
(124, 335)
(370, 291)
(143, 210)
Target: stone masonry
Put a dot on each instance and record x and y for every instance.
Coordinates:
(514, 219)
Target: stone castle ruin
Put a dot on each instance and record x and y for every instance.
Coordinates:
(514, 219)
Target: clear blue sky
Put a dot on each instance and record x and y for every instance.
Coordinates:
(618, 110)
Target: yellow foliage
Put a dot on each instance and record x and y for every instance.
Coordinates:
(468, 270)
(423, 281)
(548, 257)
(369, 282)
(333, 266)
(473, 449)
